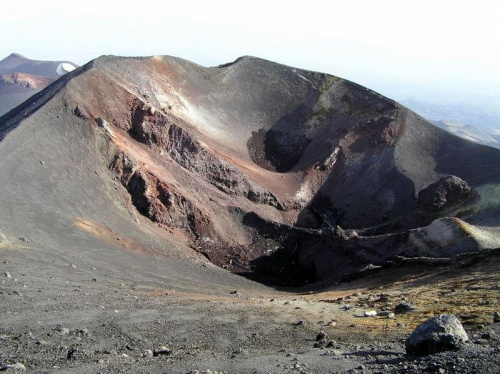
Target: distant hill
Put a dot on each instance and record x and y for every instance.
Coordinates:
(477, 121)
(483, 114)
(469, 132)
(15, 63)
(20, 78)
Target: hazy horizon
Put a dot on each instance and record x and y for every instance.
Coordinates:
(434, 48)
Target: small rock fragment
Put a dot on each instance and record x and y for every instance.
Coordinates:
(14, 367)
(81, 332)
(405, 307)
(71, 353)
(64, 331)
(331, 344)
(370, 313)
(496, 317)
(102, 122)
(161, 351)
(237, 351)
(321, 336)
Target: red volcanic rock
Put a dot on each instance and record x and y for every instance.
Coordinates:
(26, 80)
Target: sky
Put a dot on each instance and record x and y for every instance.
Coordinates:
(395, 47)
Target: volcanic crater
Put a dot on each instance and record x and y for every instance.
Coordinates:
(264, 168)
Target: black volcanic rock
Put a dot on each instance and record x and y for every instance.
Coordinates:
(445, 192)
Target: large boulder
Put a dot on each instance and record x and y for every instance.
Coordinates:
(440, 333)
(445, 192)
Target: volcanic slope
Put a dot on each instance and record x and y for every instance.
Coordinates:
(253, 162)
(21, 78)
(122, 177)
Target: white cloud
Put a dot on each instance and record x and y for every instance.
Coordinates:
(442, 43)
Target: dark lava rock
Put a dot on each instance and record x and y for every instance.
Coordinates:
(320, 344)
(330, 344)
(440, 333)
(486, 336)
(102, 122)
(405, 307)
(71, 353)
(161, 351)
(496, 317)
(321, 336)
(443, 193)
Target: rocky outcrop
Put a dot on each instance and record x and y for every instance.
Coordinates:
(159, 201)
(334, 251)
(444, 193)
(157, 130)
(162, 204)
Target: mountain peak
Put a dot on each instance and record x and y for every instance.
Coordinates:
(17, 55)
(239, 59)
